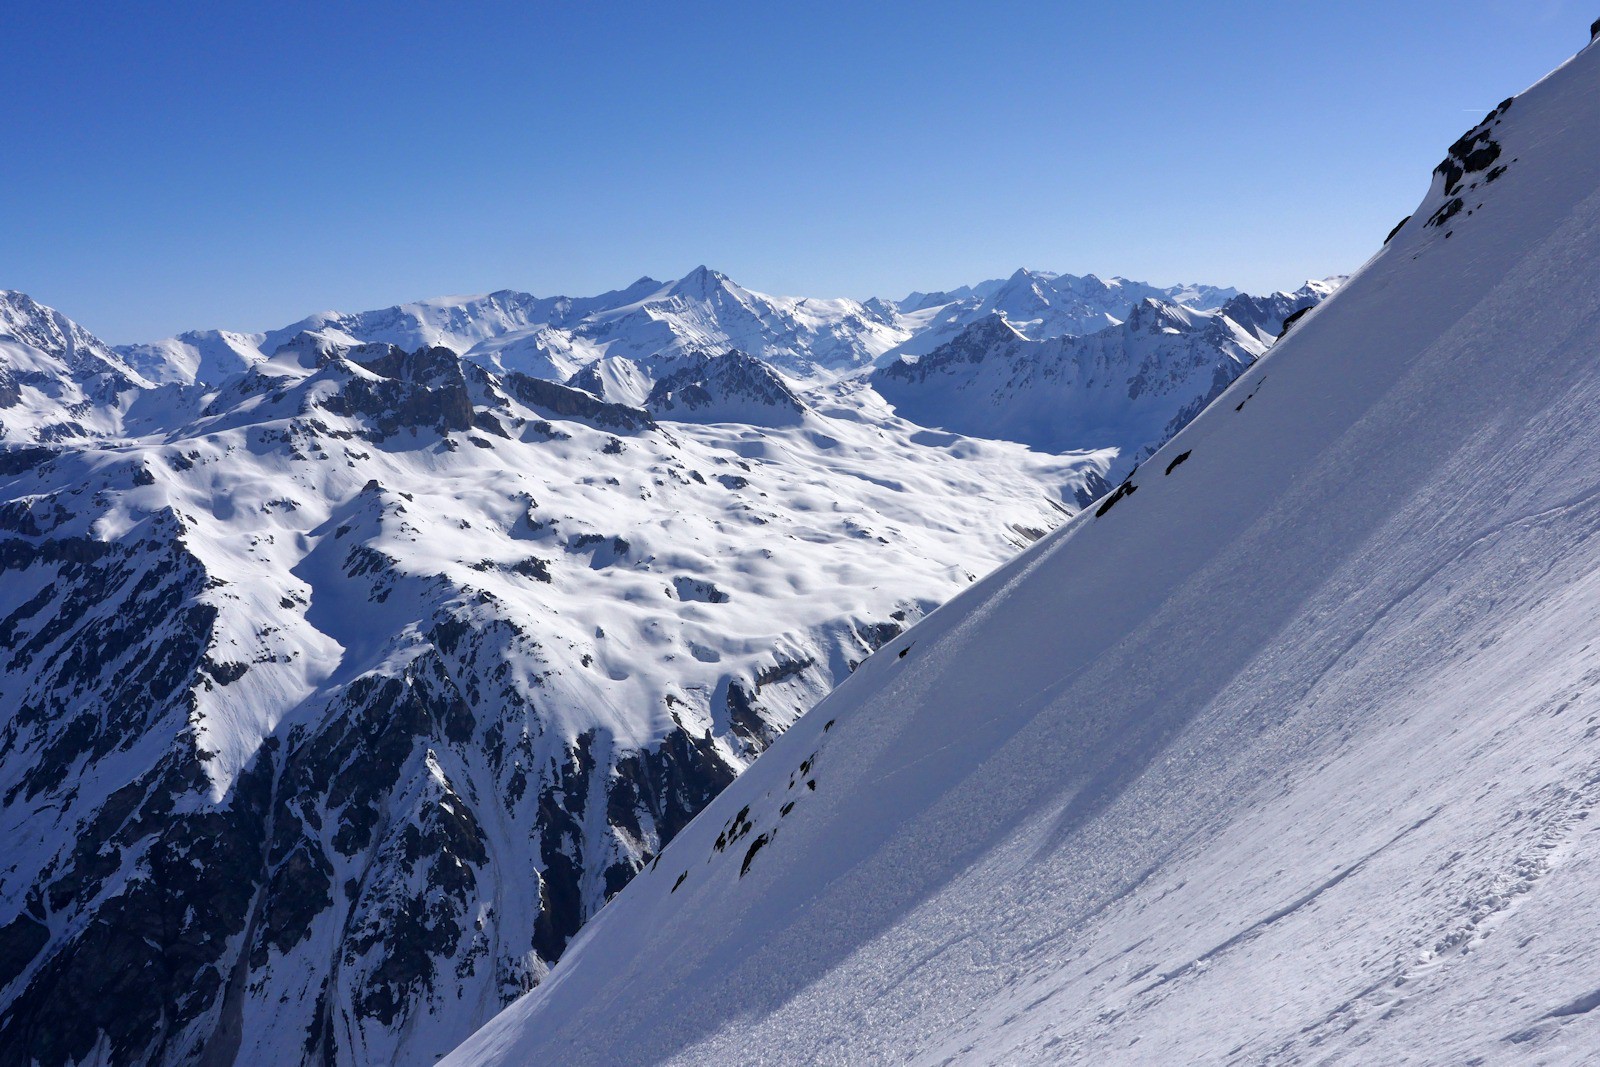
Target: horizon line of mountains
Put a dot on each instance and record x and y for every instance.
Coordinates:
(630, 346)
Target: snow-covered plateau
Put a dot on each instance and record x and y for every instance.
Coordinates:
(1287, 751)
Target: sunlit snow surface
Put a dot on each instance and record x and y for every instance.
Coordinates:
(599, 583)
(344, 683)
(1288, 756)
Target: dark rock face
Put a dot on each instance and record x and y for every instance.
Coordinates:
(732, 386)
(418, 390)
(972, 345)
(1269, 317)
(1476, 152)
(151, 958)
(1291, 320)
(566, 402)
(688, 588)
(20, 458)
(1124, 490)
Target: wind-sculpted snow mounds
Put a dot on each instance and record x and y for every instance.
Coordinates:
(1292, 755)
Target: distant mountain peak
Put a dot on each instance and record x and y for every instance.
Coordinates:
(700, 283)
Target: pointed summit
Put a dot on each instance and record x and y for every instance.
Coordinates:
(1152, 315)
(700, 283)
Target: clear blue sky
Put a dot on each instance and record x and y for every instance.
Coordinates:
(175, 165)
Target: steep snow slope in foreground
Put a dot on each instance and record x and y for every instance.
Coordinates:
(1289, 755)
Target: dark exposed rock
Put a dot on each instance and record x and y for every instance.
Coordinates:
(533, 567)
(672, 783)
(18, 459)
(687, 588)
(782, 670)
(561, 807)
(722, 386)
(568, 403)
(876, 635)
(1125, 489)
(21, 940)
(425, 389)
(1449, 210)
(1472, 153)
(300, 890)
(1289, 322)
(750, 854)
(150, 958)
(745, 714)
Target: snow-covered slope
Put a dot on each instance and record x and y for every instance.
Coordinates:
(332, 711)
(253, 579)
(1287, 752)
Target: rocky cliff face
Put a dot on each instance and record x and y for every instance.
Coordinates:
(727, 387)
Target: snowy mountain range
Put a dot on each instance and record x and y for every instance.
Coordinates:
(1040, 305)
(1284, 752)
(58, 381)
(1132, 384)
(703, 312)
(352, 667)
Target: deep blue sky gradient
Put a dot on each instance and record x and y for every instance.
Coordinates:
(192, 165)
